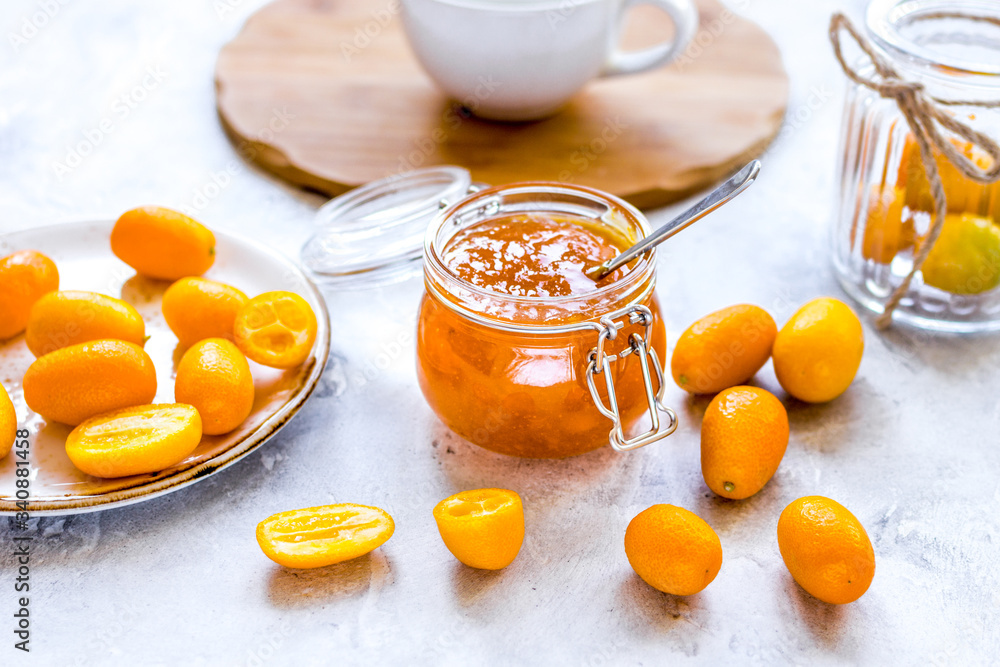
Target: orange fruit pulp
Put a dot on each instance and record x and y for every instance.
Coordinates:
(8, 423)
(136, 440)
(276, 329)
(320, 536)
(483, 528)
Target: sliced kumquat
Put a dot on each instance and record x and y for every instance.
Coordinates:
(324, 535)
(483, 528)
(133, 441)
(276, 329)
(8, 423)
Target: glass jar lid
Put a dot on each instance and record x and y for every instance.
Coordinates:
(373, 235)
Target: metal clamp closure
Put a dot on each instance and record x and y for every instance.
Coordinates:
(600, 363)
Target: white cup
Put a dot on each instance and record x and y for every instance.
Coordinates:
(517, 60)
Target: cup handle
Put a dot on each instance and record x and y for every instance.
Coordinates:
(685, 18)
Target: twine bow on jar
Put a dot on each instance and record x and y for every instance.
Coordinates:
(923, 113)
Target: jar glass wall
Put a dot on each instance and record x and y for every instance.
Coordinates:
(886, 208)
(503, 371)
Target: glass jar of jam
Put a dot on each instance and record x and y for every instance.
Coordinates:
(521, 353)
(886, 207)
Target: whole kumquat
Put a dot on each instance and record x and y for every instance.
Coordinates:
(8, 423)
(198, 308)
(25, 277)
(276, 329)
(61, 319)
(673, 550)
(214, 377)
(744, 435)
(965, 258)
(320, 536)
(886, 232)
(134, 441)
(77, 382)
(818, 351)
(723, 349)
(483, 528)
(160, 243)
(826, 549)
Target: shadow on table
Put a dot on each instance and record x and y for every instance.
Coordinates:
(692, 406)
(140, 291)
(825, 621)
(541, 482)
(473, 586)
(290, 588)
(858, 418)
(647, 607)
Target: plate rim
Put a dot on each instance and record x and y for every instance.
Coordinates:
(161, 486)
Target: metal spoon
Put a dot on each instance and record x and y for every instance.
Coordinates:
(716, 198)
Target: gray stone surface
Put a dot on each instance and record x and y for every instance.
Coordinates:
(911, 449)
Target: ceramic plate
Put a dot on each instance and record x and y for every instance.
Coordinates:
(82, 251)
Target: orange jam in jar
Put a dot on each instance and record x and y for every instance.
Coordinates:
(510, 326)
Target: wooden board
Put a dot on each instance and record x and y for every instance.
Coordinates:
(326, 94)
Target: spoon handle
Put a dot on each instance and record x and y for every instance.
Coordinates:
(716, 198)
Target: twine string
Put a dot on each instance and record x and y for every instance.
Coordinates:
(924, 115)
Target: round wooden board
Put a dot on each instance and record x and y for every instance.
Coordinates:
(326, 94)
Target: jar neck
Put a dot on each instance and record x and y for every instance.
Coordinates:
(537, 313)
(938, 44)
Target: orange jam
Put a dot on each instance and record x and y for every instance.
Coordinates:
(525, 393)
(534, 254)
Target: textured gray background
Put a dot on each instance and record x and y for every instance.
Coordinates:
(911, 449)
